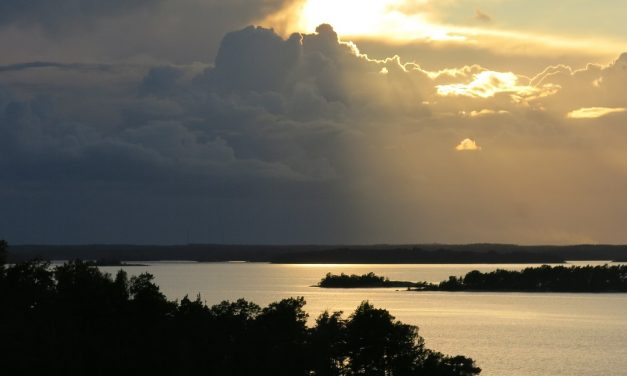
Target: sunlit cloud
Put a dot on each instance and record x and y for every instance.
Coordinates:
(468, 145)
(594, 112)
(385, 19)
(307, 116)
(487, 84)
(484, 112)
(405, 21)
(261, 125)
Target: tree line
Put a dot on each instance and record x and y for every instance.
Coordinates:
(600, 278)
(73, 319)
(369, 280)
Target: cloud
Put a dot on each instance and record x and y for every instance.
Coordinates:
(443, 25)
(595, 85)
(481, 16)
(593, 112)
(268, 121)
(484, 112)
(236, 148)
(487, 84)
(55, 15)
(144, 31)
(256, 59)
(468, 145)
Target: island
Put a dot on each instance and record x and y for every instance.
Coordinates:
(115, 262)
(576, 279)
(369, 280)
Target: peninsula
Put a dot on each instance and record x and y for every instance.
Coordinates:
(595, 279)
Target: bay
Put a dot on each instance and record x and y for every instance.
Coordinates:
(508, 334)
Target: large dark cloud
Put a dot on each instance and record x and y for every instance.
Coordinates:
(228, 135)
(256, 59)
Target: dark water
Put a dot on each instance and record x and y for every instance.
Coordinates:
(506, 333)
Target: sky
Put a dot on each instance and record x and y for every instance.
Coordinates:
(313, 121)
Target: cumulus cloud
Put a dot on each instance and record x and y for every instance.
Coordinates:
(468, 145)
(236, 149)
(593, 86)
(593, 112)
(488, 84)
(484, 112)
(267, 120)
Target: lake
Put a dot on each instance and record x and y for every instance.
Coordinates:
(508, 334)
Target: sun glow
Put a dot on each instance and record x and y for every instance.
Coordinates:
(375, 19)
(416, 20)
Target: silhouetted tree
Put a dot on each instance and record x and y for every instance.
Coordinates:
(3, 253)
(233, 350)
(328, 345)
(601, 278)
(379, 345)
(75, 320)
(147, 298)
(282, 329)
(121, 285)
(452, 284)
(365, 280)
(27, 293)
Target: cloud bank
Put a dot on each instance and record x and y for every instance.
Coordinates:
(303, 140)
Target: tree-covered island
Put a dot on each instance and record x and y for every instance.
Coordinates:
(369, 280)
(115, 262)
(603, 278)
(73, 319)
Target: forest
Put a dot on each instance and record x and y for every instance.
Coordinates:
(545, 278)
(600, 278)
(369, 280)
(73, 319)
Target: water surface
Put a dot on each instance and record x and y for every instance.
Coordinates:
(508, 334)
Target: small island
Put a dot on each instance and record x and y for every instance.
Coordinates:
(581, 279)
(603, 278)
(369, 280)
(114, 262)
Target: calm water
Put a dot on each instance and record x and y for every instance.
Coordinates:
(506, 333)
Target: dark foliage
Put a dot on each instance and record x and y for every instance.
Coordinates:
(603, 278)
(3, 255)
(75, 320)
(369, 280)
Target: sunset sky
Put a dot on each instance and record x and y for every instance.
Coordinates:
(328, 121)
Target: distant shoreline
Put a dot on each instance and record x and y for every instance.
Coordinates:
(317, 254)
(543, 279)
(118, 264)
